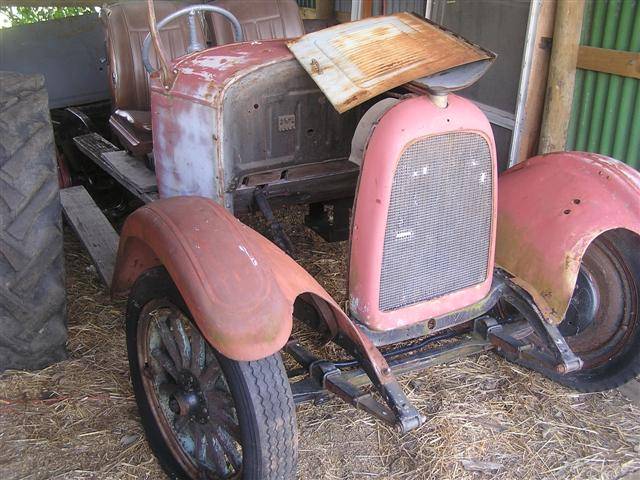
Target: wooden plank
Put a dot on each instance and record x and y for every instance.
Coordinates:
(536, 88)
(562, 75)
(95, 147)
(367, 8)
(92, 227)
(133, 170)
(618, 62)
(343, 17)
(323, 10)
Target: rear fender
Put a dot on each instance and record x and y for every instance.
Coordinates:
(550, 208)
(240, 288)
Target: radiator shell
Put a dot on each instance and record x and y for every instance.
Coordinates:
(375, 299)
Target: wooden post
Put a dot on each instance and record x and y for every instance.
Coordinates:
(562, 74)
(537, 86)
(367, 8)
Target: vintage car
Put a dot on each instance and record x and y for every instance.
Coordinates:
(540, 264)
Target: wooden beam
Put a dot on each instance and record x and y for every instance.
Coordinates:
(92, 227)
(606, 60)
(562, 75)
(537, 86)
(129, 172)
(367, 8)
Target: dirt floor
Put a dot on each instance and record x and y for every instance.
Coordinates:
(486, 417)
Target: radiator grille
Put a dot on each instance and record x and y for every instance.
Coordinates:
(438, 231)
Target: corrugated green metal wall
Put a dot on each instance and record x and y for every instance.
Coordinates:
(605, 117)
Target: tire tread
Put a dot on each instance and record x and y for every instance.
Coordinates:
(33, 329)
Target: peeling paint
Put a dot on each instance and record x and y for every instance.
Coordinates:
(540, 241)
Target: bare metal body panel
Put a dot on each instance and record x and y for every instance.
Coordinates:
(355, 61)
(245, 115)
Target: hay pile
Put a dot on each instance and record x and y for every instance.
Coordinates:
(487, 418)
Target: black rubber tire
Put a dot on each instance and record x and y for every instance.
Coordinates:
(618, 361)
(33, 322)
(621, 249)
(260, 389)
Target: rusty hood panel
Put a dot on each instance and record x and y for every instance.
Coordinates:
(203, 76)
(356, 61)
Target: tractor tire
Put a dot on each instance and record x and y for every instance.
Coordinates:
(33, 324)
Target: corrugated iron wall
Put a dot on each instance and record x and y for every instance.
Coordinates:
(605, 116)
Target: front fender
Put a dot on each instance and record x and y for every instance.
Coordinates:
(550, 208)
(239, 287)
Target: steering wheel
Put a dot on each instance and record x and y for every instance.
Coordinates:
(194, 44)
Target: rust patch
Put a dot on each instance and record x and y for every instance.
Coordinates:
(353, 62)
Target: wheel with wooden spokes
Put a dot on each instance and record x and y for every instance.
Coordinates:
(205, 415)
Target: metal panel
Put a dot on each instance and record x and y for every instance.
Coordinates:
(288, 118)
(605, 116)
(68, 51)
(439, 221)
(354, 62)
(500, 26)
(342, 5)
(415, 6)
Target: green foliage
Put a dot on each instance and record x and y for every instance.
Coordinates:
(23, 15)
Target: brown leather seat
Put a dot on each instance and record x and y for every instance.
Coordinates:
(126, 26)
(260, 20)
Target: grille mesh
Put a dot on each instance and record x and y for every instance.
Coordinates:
(438, 229)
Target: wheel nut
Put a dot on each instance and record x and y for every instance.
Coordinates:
(173, 405)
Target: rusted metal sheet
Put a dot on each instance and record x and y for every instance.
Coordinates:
(202, 76)
(224, 95)
(239, 287)
(353, 62)
(550, 208)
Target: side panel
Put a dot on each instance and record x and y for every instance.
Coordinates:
(185, 147)
(69, 52)
(276, 117)
(550, 209)
(401, 126)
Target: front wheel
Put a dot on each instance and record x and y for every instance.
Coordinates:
(602, 323)
(205, 416)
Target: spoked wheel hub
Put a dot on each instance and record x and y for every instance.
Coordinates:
(206, 416)
(190, 398)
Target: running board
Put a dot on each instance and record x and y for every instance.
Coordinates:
(126, 169)
(92, 228)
